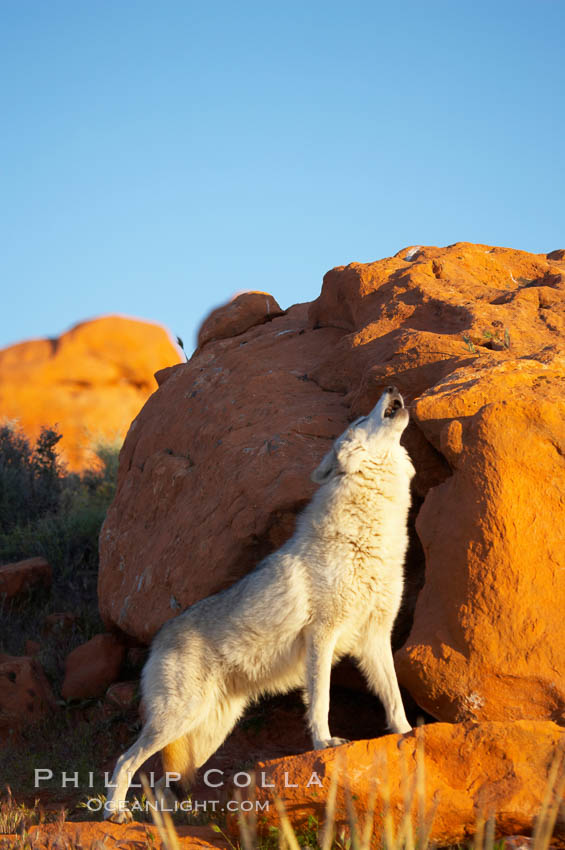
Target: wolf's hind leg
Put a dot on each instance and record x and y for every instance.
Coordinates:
(216, 727)
(377, 663)
(161, 730)
(178, 766)
(149, 742)
(186, 754)
(319, 655)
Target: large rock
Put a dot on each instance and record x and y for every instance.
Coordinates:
(214, 469)
(89, 382)
(417, 321)
(500, 769)
(217, 463)
(490, 614)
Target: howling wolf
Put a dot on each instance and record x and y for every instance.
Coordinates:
(333, 589)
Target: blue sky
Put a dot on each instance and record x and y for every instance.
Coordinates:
(159, 156)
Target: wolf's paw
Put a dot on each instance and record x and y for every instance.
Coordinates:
(332, 742)
(401, 728)
(121, 816)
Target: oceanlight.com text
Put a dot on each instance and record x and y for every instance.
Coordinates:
(95, 804)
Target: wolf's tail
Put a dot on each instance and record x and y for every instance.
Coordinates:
(178, 757)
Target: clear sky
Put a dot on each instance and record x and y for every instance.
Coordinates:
(159, 155)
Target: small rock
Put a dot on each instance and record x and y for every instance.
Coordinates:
(92, 667)
(122, 694)
(25, 694)
(517, 842)
(59, 622)
(241, 313)
(18, 577)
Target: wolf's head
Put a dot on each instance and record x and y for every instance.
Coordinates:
(372, 436)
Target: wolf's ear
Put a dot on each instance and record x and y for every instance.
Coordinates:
(327, 468)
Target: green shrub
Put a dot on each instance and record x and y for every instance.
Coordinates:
(30, 479)
(46, 510)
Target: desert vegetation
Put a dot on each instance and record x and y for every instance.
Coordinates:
(49, 512)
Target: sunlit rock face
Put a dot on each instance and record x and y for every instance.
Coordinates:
(217, 463)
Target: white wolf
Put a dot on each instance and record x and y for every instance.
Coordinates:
(333, 589)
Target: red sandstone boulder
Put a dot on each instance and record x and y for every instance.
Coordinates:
(417, 321)
(92, 667)
(238, 315)
(491, 611)
(19, 577)
(216, 465)
(91, 381)
(25, 694)
(468, 770)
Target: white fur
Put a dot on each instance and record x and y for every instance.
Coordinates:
(333, 589)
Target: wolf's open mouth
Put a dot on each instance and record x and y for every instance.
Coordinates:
(395, 405)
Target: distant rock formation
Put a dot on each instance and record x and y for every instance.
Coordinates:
(90, 382)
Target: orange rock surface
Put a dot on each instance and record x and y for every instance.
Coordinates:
(216, 465)
(238, 315)
(487, 640)
(493, 768)
(214, 469)
(89, 382)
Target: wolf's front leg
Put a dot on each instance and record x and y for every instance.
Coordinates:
(377, 663)
(319, 653)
